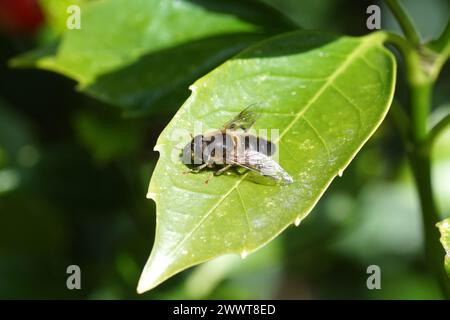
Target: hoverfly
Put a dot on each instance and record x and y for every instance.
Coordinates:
(233, 146)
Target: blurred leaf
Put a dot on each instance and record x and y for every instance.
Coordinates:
(255, 11)
(107, 137)
(9, 180)
(157, 24)
(261, 267)
(42, 229)
(326, 94)
(32, 58)
(135, 63)
(405, 284)
(16, 149)
(429, 17)
(309, 14)
(444, 228)
(375, 207)
(156, 79)
(14, 132)
(206, 277)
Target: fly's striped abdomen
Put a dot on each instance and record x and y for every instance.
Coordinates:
(259, 144)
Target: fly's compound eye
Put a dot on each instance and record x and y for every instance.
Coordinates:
(186, 156)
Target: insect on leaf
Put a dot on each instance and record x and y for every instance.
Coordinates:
(325, 94)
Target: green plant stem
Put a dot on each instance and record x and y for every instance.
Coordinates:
(421, 79)
(420, 158)
(415, 74)
(421, 165)
(405, 22)
(443, 41)
(401, 121)
(420, 96)
(440, 126)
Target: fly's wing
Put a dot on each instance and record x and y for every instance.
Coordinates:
(243, 120)
(260, 163)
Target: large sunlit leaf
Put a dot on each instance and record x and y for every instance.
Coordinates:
(137, 53)
(326, 95)
(444, 228)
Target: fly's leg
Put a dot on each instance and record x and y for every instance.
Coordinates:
(196, 169)
(207, 180)
(220, 171)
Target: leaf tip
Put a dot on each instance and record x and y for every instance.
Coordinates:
(141, 288)
(144, 286)
(153, 273)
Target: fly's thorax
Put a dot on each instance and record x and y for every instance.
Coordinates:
(218, 145)
(211, 148)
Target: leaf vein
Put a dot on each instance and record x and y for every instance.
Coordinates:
(350, 101)
(371, 66)
(327, 84)
(205, 194)
(318, 136)
(245, 210)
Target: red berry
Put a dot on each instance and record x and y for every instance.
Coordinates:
(20, 16)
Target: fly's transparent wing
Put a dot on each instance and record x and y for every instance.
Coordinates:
(260, 163)
(243, 120)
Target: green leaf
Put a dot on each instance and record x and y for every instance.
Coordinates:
(137, 53)
(444, 228)
(96, 49)
(326, 94)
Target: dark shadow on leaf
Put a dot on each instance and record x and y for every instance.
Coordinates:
(253, 177)
(159, 81)
(29, 59)
(287, 44)
(236, 172)
(254, 11)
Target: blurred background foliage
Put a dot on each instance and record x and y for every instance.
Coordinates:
(74, 173)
